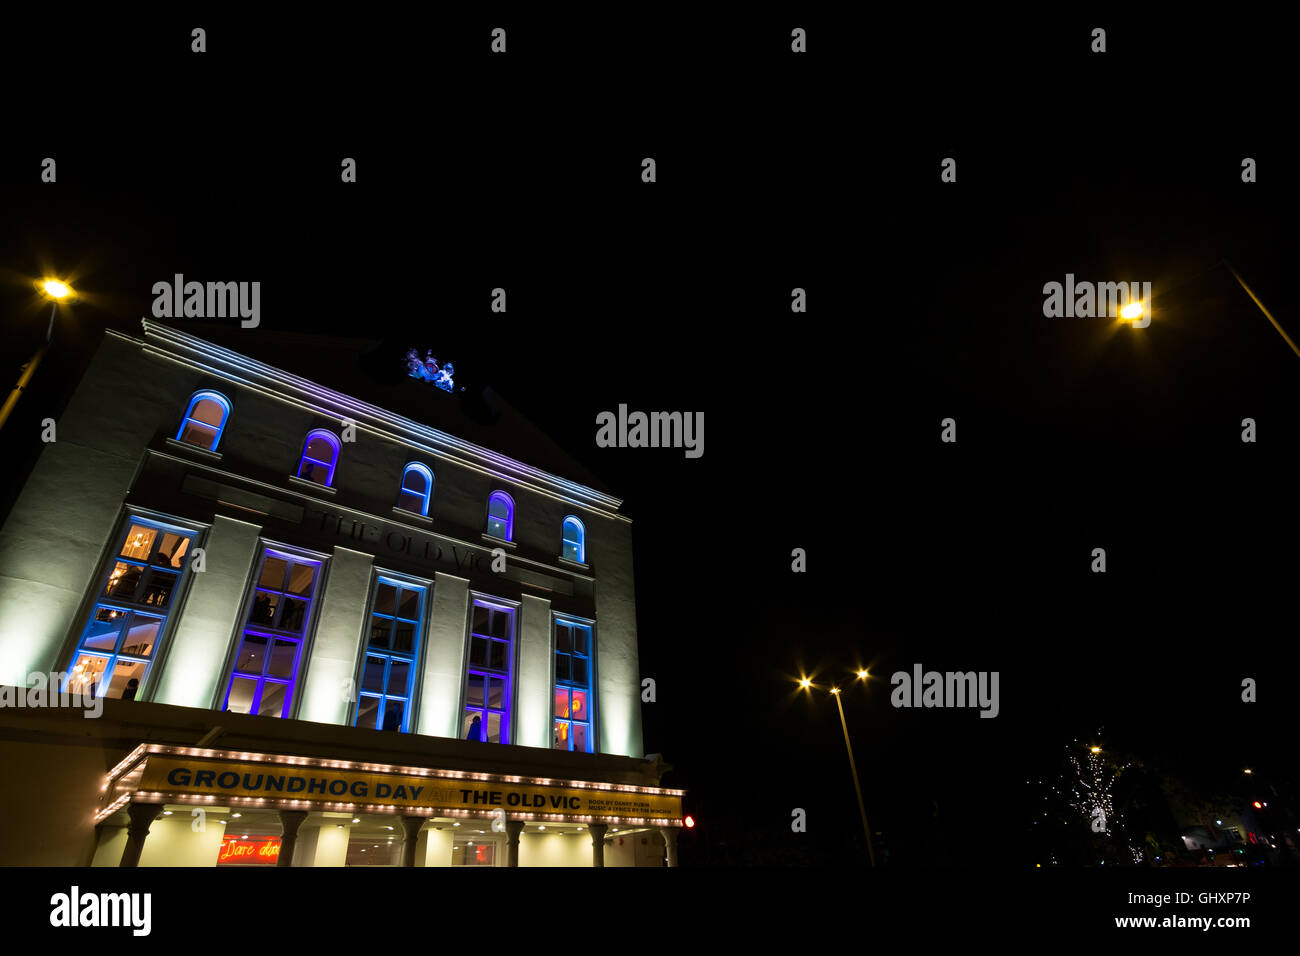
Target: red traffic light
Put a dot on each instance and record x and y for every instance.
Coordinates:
(688, 822)
(1257, 805)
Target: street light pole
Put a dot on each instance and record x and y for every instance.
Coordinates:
(1267, 314)
(862, 808)
(55, 290)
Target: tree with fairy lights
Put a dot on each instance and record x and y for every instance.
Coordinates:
(1090, 790)
(1082, 814)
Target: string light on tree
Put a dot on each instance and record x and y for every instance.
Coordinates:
(1090, 791)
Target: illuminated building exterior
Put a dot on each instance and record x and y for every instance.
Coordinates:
(320, 632)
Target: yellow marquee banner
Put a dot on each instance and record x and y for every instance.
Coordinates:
(277, 781)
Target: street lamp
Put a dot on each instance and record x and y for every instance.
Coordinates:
(57, 291)
(806, 684)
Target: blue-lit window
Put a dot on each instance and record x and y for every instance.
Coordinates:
(120, 641)
(388, 670)
(573, 705)
(320, 453)
(265, 676)
(501, 516)
(417, 488)
(575, 540)
(491, 667)
(204, 420)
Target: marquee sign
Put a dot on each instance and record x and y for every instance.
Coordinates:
(181, 775)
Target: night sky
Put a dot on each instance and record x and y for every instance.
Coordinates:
(822, 430)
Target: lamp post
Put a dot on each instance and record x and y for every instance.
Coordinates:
(1267, 314)
(56, 291)
(807, 684)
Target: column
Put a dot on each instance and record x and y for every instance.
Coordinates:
(329, 690)
(534, 693)
(444, 659)
(618, 675)
(410, 838)
(290, 821)
(142, 815)
(194, 662)
(598, 843)
(670, 844)
(332, 845)
(513, 829)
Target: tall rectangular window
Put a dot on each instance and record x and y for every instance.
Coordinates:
(120, 641)
(269, 656)
(388, 671)
(573, 703)
(491, 667)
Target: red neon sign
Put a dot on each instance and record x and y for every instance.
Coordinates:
(261, 850)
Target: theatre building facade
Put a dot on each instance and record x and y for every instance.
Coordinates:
(248, 619)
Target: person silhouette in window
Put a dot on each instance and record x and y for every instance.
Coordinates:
(131, 687)
(475, 729)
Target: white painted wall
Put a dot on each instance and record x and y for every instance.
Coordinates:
(559, 848)
(173, 842)
(332, 845)
(437, 850)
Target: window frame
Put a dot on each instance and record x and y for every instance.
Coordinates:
(581, 541)
(573, 620)
(416, 658)
(510, 516)
(334, 443)
(201, 395)
(511, 677)
(304, 637)
(427, 497)
(110, 556)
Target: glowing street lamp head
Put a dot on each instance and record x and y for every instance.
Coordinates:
(1131, 311)
(55, 289)
(1095, 750)
(805, 683)
(835, 690)
(862, 674)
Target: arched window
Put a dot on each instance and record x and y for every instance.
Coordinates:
(575, 540)
(319, 454)
(501, 516)
(204, 420)
(417, 488)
